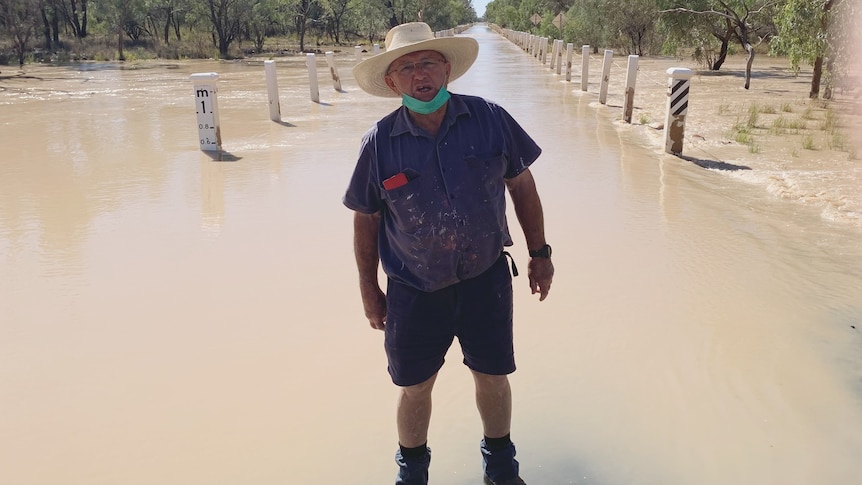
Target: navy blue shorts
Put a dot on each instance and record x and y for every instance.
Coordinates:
(421, 326)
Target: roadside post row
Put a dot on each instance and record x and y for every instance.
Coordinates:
(679, 80)
(679, 83)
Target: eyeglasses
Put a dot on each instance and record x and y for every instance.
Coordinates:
(427, 65)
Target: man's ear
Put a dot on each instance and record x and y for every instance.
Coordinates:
(389, 82)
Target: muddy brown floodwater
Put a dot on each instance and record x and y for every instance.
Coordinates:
(168, 318)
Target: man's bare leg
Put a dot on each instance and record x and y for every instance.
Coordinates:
(494, 400)
(414, 413)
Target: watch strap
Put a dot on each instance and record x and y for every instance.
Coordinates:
(542, 252)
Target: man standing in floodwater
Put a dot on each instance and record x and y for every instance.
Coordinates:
(428, 193)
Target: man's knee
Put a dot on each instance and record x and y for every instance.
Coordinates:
(490, 382)
(421, 390)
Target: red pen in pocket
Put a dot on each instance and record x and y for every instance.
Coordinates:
(395, 181)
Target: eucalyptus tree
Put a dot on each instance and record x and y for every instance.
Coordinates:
(19, 19)
(748, 18)
(367, 19)
(166, 16)
(588, 24)
(227, 19)
(76, 14)
(51, 15)
(120, 16)
(635, 21)
(709, 36)
(337, 9)
(820, 32)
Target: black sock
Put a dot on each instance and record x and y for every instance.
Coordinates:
(497, 444)
(417, 452)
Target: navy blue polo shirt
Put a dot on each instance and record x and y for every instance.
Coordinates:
(442, 199)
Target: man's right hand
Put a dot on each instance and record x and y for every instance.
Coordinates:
(374, 302)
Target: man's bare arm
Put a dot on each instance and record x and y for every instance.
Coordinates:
(528, 208)
(365, 248)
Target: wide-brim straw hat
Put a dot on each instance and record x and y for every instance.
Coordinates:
(403, 39)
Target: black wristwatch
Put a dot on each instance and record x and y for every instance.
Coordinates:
(542, 252)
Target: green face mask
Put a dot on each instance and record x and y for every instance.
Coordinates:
(426, 107)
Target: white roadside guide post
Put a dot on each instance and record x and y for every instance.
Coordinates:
(678, 85)
(553, 55)
(631, 78)
(357, 53)
(569, 48)
(544, 50)
(376, 49)
(333, 71)
(559, 56)
(206, 107)
(272, 90)
(606, 76)
(585, 66)
(311, 63)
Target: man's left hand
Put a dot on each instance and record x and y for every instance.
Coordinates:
(541, 273)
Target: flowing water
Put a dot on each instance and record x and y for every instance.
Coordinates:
(170, 318)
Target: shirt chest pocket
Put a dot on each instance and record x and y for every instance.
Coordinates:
(414, 201)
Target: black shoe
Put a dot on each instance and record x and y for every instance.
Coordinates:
(413, 471)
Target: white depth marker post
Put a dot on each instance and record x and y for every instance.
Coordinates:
(357, 53)
(631, 78)
(311, 63)
(272, 90)
(333, 71)
(678, 85)
(606, 76)
(585, 66)
(206, 108)
(569, 48)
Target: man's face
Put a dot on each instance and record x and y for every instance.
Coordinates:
(418, 74)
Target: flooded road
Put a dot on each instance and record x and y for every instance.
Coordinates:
(168, 318)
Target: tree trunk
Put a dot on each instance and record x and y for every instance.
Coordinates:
(167, 29)
(393, 19)
(120, 54)
(46, 28)
(55, 25)
(725, 44)
(816, 76)
(84, 16)
(827, 91)
(750, 49)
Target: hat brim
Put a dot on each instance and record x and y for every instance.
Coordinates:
(461, 52)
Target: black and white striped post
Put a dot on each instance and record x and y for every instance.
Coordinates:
(679, 83)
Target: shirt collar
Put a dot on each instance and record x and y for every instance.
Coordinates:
(403, 124)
